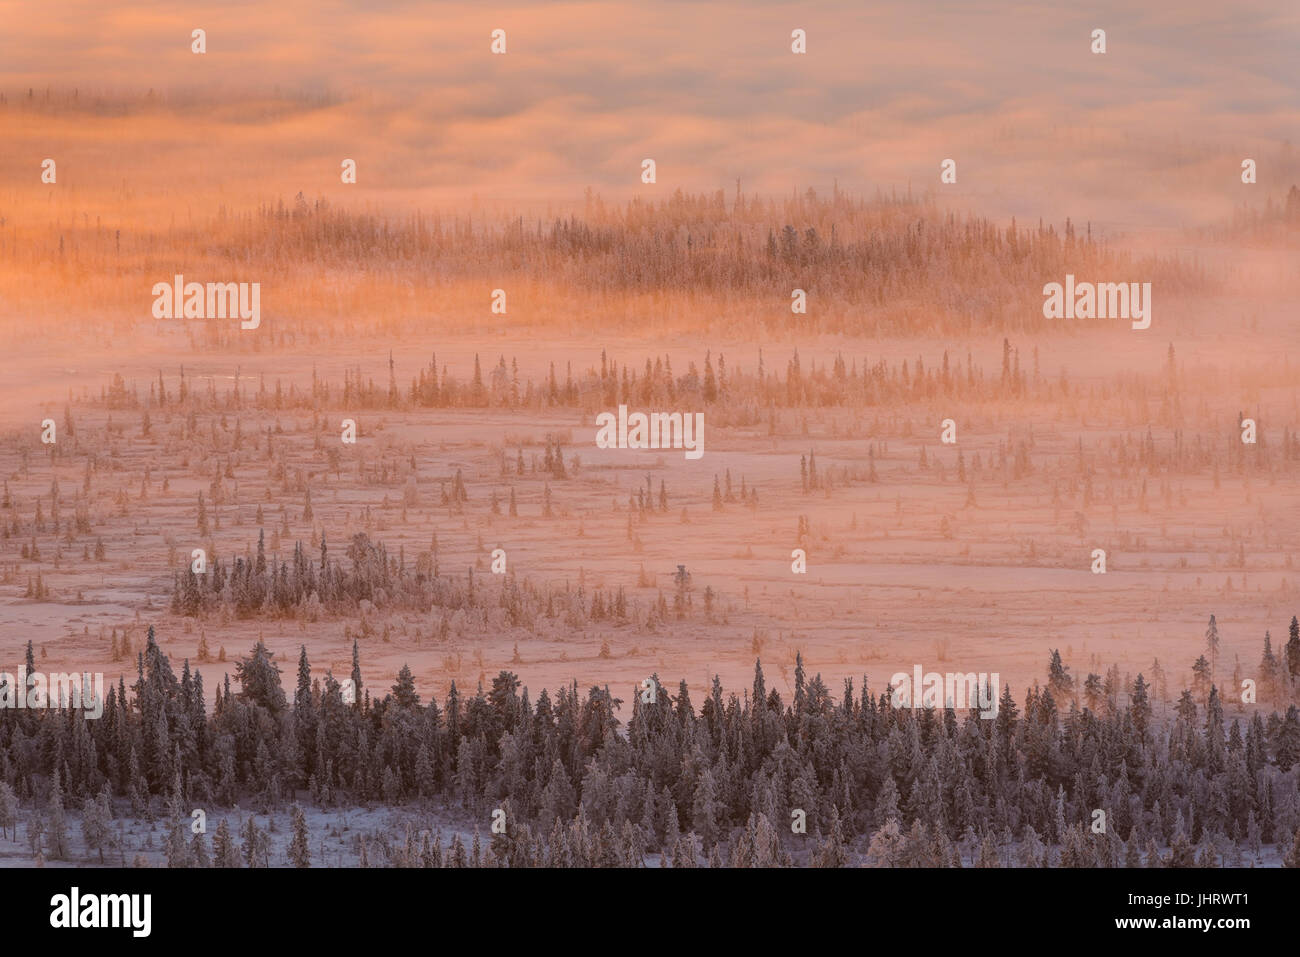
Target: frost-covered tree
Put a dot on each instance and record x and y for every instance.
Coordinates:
(300, 844)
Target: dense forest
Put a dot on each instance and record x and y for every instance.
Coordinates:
(719, 783)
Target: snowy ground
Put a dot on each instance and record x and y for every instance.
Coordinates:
(336, 836)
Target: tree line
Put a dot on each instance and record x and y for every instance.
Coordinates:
(719, 782)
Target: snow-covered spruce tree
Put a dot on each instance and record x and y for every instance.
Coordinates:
(56, 835)
(224, 852)
(300, 845)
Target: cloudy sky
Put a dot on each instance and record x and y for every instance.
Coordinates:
(1150, 134)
